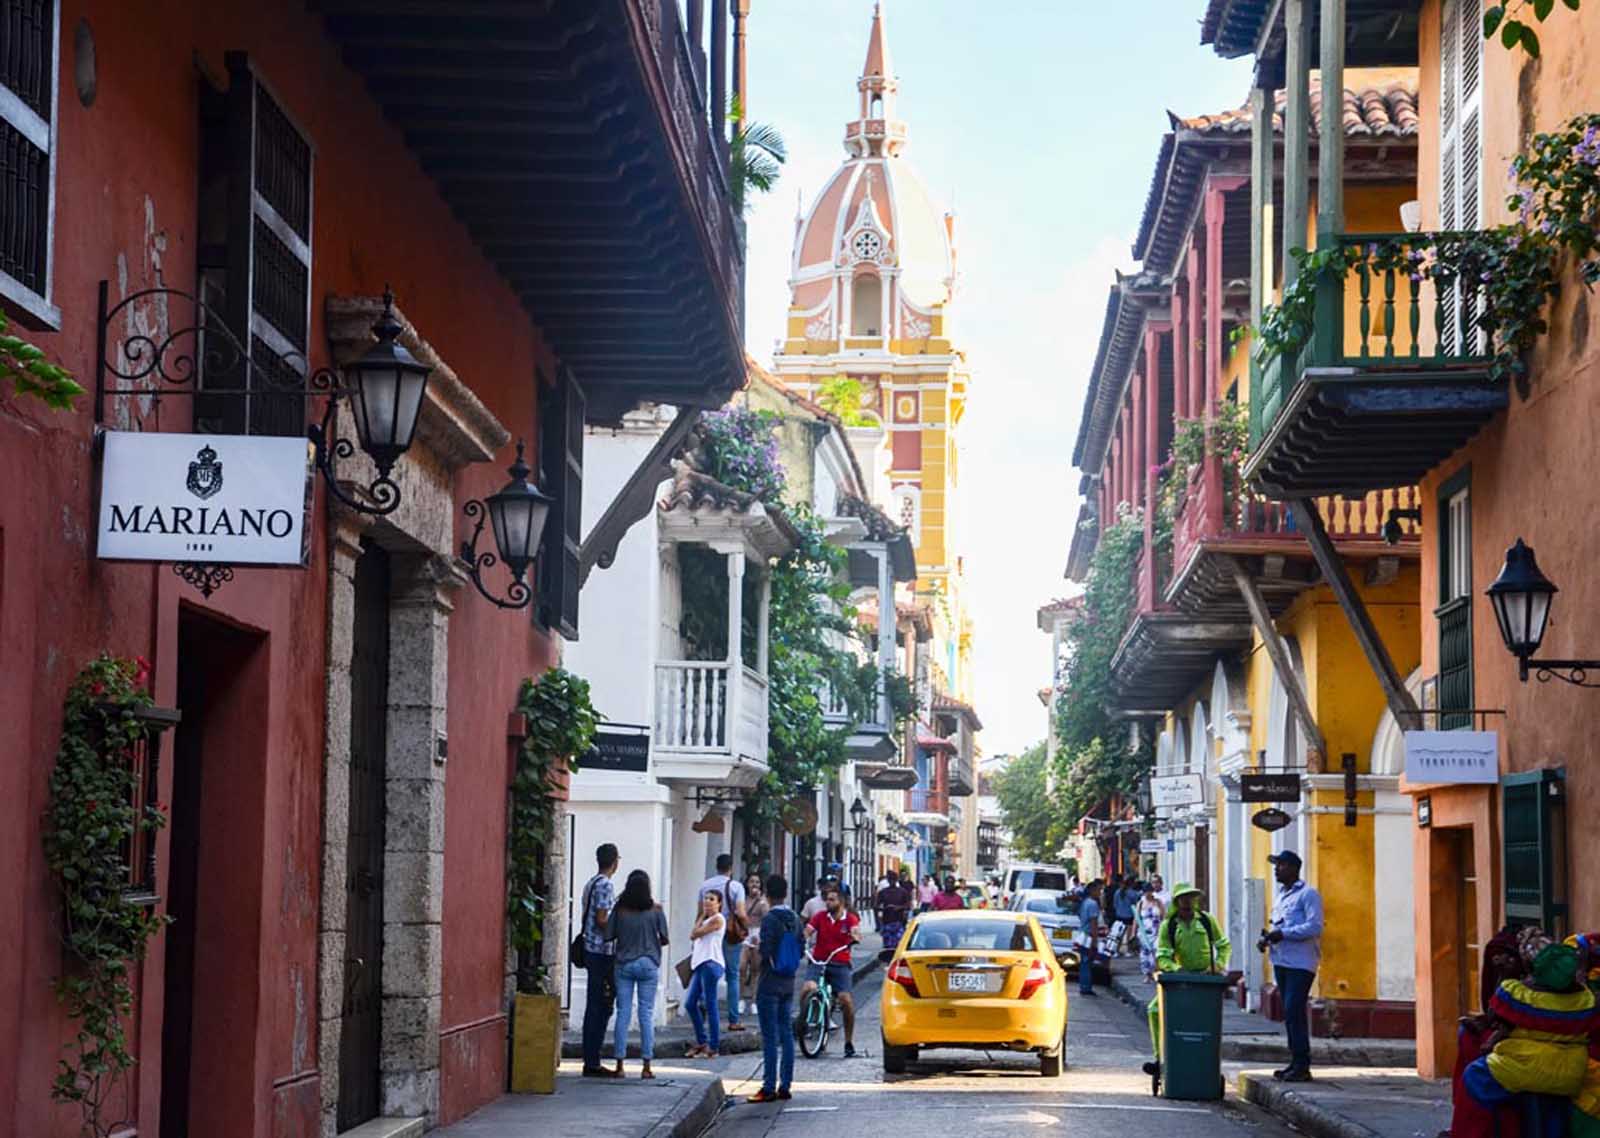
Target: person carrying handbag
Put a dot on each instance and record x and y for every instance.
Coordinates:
(737, 929)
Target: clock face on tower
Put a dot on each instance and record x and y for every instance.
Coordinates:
(867, 245)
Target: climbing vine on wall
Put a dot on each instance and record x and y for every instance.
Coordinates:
(89, 828)
(25, 370)
(561, 723)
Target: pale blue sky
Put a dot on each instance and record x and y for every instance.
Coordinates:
(1039, 121)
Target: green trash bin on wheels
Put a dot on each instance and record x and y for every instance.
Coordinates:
(1191, 1034)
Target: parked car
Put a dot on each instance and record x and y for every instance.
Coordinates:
(1032, 875)
(1057, 914)
(983, 981)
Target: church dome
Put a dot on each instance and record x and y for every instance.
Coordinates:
(873, 216)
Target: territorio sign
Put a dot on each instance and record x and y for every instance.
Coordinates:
(226, 499)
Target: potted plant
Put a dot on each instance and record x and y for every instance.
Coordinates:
(559, 726)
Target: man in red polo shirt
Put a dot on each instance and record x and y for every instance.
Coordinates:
(831, 933)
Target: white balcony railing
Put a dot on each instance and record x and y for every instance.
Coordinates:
(699, 715)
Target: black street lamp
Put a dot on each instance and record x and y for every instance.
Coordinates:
(517, 513)
(385, 387)
(858, 813)
(1522, 597)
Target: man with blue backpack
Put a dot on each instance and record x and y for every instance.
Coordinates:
(782, 949)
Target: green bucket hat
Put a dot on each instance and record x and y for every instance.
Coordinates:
(1183, 889)
(1555, 969)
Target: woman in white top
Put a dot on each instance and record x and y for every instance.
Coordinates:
(706, 969)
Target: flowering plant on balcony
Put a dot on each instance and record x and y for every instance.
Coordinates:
(1227, 438)
(739, 448)
(1515, 269)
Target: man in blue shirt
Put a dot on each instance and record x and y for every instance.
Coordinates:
(1088, 937)
(1294, 942)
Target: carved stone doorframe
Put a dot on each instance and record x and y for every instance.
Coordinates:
(455, 429)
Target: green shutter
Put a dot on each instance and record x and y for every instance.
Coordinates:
(1533, 840)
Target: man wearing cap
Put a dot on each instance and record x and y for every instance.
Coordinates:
(1189, 940)
(1294, 942)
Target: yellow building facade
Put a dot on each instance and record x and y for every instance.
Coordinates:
(872, 279)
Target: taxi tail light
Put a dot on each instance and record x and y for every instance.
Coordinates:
(1038, 975)
(900, 973)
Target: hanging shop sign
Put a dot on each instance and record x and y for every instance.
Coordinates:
(1269, 788)
(1270, 819)
(225, 499)
(1453, 757)
(618, 747)
(1176, 790)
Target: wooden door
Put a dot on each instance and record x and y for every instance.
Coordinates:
(362, 1014)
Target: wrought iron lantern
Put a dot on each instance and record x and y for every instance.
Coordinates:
(858, 814)
(385, 387)
(1522, 597)
(517, 514)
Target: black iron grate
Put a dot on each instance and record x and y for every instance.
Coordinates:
(283, 165)
(26, 28)
(280, 286)
(24, 209)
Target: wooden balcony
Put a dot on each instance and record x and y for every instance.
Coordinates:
(710, 725)
(583, 145)
(927, 807)
(871, 740)
(1192, 609)
(1393, 380)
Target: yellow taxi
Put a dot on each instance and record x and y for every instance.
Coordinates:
(985, 980)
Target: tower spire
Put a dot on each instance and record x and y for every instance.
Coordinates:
(876, 132)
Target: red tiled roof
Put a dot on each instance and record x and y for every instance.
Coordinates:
(928, 741)
(1369, 113)
(951, 704)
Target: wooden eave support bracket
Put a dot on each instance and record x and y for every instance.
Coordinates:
(1277, 652)
(637, 496)
(1355, 611)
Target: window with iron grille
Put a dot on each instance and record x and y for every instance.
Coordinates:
(29, 34)
(1454, 613)
(254, 256)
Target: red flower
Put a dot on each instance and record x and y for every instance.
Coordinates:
(91, 806)
(97, 688)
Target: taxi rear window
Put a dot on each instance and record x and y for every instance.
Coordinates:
(972, 935)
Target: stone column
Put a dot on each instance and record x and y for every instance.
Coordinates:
(413, 861)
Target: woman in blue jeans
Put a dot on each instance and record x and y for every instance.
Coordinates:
(640, 929)
(706, 969)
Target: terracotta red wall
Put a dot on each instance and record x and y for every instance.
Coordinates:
(125, 211)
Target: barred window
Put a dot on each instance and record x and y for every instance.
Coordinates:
(28, 38)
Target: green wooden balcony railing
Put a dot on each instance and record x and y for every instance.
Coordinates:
(1385, 315)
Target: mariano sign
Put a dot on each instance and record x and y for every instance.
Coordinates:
(226, 499)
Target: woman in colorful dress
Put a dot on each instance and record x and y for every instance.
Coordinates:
(1501, 961)
(1538, 1043)
(1586, 1107)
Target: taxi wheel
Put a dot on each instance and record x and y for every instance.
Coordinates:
(1051, 1062)
(896, 1058)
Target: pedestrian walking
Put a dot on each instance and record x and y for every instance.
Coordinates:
(599, 897)
(925, 893)
(781, 951)
(894, 907)
(756, 906)
(948, 897)
(1149, 913)
(737, 917)
(639, 931)
(1123, 900)
(1089, 929)
(1189, 940)
(706, 966)
(1294, 945)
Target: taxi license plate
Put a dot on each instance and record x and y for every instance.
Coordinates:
(971, 982)
(1061, 934)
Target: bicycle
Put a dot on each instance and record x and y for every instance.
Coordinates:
(815, 1021)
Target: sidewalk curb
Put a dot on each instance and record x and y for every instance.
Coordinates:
(693, 1113)
(1308, 1116)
